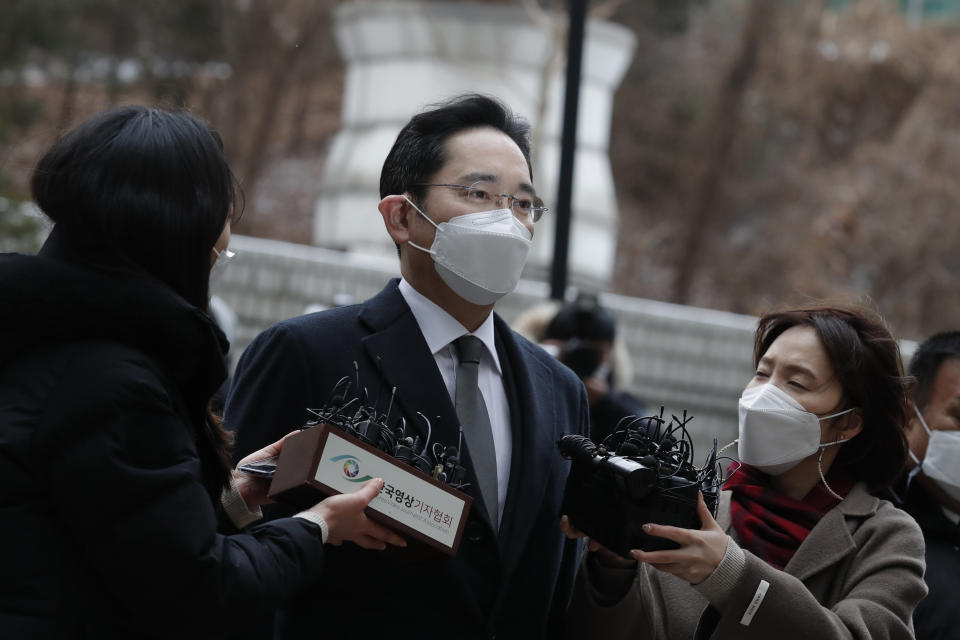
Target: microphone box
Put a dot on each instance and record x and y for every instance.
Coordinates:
(323, 461)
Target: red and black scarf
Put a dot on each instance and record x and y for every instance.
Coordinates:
(771, 525)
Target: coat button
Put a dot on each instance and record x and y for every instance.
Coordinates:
(473, 531)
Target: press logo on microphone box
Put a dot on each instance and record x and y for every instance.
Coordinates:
(405, 497)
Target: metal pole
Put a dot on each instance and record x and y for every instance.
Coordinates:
(568, 145)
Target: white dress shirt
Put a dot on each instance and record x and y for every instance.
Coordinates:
(440, 330)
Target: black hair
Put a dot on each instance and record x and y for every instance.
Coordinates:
(926, 361)
(583, 318)
(866, 361)
(148, 185)
(419, 151)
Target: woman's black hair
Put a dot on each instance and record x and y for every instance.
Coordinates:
(148, 185)
(866, 361)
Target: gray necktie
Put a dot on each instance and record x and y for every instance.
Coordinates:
(472, 411)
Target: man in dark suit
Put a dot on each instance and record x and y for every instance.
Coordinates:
(458, 201)
(932, 487)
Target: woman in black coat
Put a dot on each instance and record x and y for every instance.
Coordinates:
(114, 473)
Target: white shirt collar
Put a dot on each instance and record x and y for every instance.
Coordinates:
(440, 328)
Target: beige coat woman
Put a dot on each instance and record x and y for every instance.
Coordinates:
(859, 574)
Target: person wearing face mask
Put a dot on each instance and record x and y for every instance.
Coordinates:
(801, 547)
(115, 473)
(224, 317)
(459, 203)
(583, 335)
(931, 491)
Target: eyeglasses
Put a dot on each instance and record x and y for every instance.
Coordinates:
(530, 208)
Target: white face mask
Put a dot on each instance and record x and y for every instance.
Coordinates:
(776, 432)
(480, 256)
(220, 265)
(942, 460)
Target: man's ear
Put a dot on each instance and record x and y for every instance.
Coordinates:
(395, 211)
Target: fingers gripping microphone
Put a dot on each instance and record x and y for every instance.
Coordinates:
(641, 473)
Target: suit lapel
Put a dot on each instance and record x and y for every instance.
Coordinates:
(826, 545)
(397, 349)
(830, 540)
(532, 422)
(400, 354)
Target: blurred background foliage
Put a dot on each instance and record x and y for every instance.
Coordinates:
(783, 151)
(765, 151)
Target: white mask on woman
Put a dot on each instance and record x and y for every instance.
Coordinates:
(941, 463)
(776, 432)
(220, 263)
(480, 256)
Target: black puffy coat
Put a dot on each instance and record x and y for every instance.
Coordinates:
(109, 477)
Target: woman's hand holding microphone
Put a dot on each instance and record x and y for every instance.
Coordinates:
(343, 514)
(700, 552)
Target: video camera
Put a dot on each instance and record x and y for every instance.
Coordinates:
(641, 473)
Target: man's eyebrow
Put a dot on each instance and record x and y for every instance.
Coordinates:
(473, 178)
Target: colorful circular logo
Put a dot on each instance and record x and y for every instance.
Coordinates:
(350, 468)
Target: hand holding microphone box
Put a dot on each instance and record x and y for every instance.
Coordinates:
(641, 473)
(346, 446)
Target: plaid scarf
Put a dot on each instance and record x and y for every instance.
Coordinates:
(771, 525)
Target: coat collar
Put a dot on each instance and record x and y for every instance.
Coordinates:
(830, 540)
(65, 294)
(397, 347)
(398, 351)
(439, 328)
(533, 425)
(408, 364)
(533, 421)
